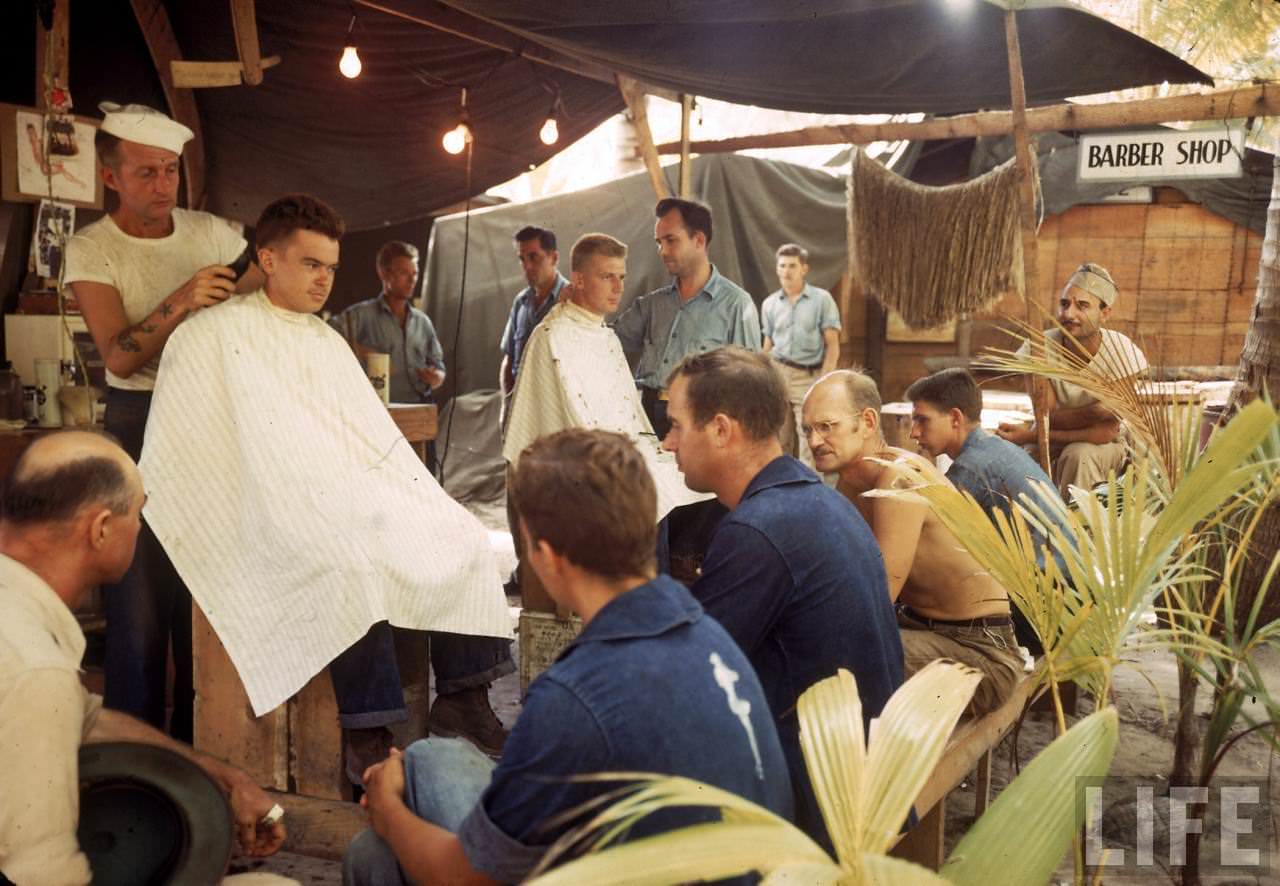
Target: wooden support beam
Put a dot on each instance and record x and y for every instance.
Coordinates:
(633, 95)
(163, 45)
(52, 53)
(481, 30)
(319, 828)
(245, 24)
(686, 109)
(1025, 160)
(1262, 100)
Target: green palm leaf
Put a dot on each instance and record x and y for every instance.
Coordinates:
(1031, 824)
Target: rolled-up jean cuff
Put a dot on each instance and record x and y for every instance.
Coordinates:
(472, 681)
(373, 719)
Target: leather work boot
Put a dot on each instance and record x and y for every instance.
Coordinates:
(467, 714)
(361, 748)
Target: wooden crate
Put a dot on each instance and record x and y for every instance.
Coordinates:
(543, 636)
(298, 746)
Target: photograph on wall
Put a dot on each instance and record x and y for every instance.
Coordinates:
(54, 224)
(48, 157)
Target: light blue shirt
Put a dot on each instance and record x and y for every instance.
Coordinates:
(523, 318)
(663, 330)
(412, 347)
(796, 329)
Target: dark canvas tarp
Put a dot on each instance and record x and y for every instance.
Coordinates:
(842, 57)
(1242, 200)
(757, 205)
(372, 146)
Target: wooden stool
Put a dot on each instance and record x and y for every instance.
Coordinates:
(298, 746)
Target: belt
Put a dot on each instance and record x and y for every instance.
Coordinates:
(801, 366)
(986, 621)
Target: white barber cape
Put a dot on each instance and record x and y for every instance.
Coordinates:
(573, 374)
(291, 504)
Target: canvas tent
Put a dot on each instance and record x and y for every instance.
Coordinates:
(372, 148)
(757, 205)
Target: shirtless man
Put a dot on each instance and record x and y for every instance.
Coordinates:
(948, 606)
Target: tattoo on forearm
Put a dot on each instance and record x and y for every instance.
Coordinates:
(166, 309)
(126, 340)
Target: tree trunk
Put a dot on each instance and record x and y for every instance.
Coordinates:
(1259, 369)
(1186, 738)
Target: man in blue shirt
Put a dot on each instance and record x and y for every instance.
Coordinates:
(946, 417)
(801, 327)
(388, 323)
(651, 685)
(792, 572)
(698, 311)
(536, 249)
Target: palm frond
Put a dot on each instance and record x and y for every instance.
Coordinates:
(1031, 823)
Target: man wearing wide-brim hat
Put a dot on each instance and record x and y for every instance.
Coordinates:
(1085, 438)
(137, 273)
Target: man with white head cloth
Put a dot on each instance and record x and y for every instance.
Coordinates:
(1085, 439)
(137, 273)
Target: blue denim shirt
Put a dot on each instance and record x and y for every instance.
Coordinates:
(796, 329)
(663, 331)
(412, 347)
(651, 685)
(522, 319)
(996, 472)
(796, 577)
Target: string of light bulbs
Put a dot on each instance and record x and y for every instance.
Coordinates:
(457, 139)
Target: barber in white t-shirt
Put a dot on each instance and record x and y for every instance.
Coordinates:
(136, 273)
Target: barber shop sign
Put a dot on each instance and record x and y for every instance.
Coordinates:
(1161, 154)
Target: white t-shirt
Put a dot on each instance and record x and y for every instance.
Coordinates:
(144, 271)
(1117, 357)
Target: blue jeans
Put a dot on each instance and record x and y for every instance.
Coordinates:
(147, 608)
(366, 678)
(443, 781)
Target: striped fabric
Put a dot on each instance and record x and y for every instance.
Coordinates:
(574, 375)
(292, 506)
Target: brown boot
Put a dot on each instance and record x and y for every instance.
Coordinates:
(467, 714)
(363, 748)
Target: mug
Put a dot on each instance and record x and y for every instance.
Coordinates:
(378, 368)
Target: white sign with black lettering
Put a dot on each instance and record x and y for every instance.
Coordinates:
(1161, 154)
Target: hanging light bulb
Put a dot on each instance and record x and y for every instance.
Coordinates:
(455, 141)
(550, 131)
(349, 64)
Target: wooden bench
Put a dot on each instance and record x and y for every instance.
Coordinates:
(970, 747)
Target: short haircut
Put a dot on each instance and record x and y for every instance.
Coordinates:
(949, 389)
(696, 216)
(859, 387)
(107, 147)
(542, 235)
(394, 249)
(795, 250)
(297, 212)
(56, 493)
(601, 479)
(595, 244)
(742, 384)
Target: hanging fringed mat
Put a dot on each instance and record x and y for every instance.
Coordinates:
(933, 254)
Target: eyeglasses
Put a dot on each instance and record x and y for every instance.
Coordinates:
(824, 428)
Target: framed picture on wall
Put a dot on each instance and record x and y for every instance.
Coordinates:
(48, 157)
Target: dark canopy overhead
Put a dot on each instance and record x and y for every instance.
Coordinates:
(844, 56)
(372, 146)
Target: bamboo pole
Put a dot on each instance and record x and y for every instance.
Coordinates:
(686, 171)
(52, 53)
(1262, 100)
(1027, 214)
(634, 98)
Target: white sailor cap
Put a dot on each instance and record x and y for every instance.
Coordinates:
(144, 125)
